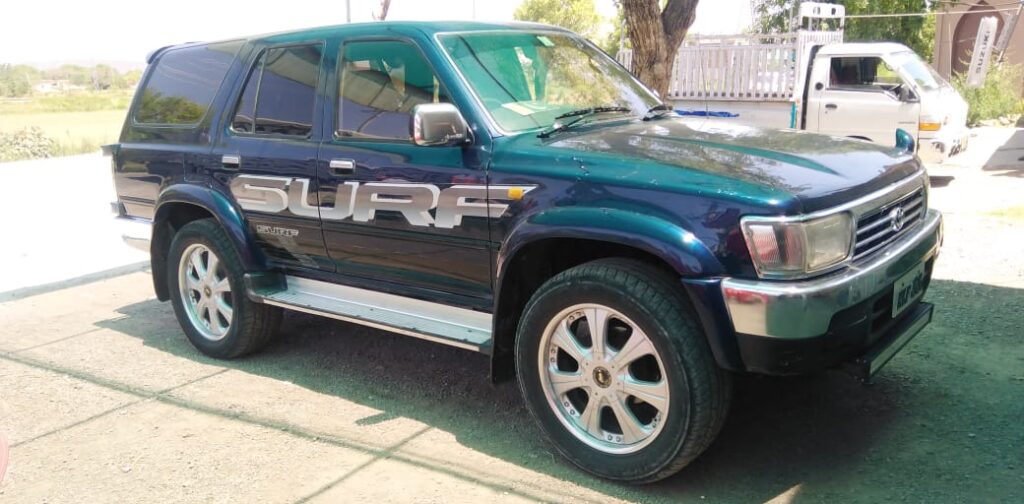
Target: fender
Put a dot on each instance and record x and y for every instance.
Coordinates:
(678, 247)
(227, 214)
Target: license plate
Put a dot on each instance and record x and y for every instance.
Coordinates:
(907, 289)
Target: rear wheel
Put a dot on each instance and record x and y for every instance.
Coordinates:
(617, 373)
(207, 292)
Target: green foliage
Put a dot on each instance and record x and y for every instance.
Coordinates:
(19, 80)
(610, 44)
(158, 109)
(998, 97)
(916, 32)
(27, 143)
(83, 101)
(579, 16)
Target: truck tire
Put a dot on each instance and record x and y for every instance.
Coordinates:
(638, 396)
(204, 274)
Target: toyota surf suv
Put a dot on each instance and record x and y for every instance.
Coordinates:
(509, 189)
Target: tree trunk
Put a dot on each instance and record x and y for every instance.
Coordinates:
(656, 35)
(383, 14)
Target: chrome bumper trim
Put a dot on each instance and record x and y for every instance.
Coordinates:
(804, 309)
(137, 233)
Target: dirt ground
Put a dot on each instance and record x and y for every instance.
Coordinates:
(103, 400)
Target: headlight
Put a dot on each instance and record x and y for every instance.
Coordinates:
(789, 248)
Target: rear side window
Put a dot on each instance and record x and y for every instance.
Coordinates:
(280, 93)
(183, 83)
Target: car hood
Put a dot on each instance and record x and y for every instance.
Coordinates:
(818, 171)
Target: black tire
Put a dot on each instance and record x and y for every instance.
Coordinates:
(699, 390)
(252, 324)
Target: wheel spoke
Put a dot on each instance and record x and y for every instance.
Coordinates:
(597, 321)
(211, 265)
(590, 418)
(196, 260)
(564, 339)
(562, 382)
(222, 286)
(653, 393)
(632, 429)
(224, 308)
(192, 282)
(636, 346)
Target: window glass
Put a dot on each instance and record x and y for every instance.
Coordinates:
(865, 73)
(527, 80)
(922, 73)
(183, 83)
(380, 82)
(245, 113)
(287, 90)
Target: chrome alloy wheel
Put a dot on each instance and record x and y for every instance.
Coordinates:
(205, 292)
(603, 378)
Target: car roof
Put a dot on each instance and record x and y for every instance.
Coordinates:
(428, 28)
(850, 48)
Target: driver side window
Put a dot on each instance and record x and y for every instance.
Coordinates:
(380, 83)
(862, 73)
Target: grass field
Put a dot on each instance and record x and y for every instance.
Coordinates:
(74, 132)
(77, 122)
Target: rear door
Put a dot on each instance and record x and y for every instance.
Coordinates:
(861, 100)
(379, 190)
(268, 152)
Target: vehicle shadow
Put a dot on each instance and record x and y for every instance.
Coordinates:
(793, 435)
(1008, 159)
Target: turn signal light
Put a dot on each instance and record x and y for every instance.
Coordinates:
(929, 126)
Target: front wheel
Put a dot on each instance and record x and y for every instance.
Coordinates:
(616, 371)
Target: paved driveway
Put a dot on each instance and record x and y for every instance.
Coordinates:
(103, 400)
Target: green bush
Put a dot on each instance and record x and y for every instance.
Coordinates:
(998, 97)
(28, 143)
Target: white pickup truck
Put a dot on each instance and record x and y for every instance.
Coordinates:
(811, 80)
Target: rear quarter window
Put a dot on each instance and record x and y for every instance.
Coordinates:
(183, 83)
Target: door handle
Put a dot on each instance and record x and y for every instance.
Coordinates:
(831, 106)
(230, 161)
(342, 166)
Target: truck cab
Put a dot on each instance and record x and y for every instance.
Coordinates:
(869, 90)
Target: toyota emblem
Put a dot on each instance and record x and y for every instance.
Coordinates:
(896, 219)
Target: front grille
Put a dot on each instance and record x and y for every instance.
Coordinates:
(875, 229)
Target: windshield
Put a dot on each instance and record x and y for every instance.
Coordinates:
(916, 69)
(526, 80)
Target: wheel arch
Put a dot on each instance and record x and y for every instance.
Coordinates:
(180, 204)
(546, 245)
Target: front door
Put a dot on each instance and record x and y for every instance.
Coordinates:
(269, 153)
(861, 100)
(379, 191)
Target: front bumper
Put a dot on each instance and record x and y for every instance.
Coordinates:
(798, 327)
(943, 144)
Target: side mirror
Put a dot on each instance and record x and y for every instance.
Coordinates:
(907, 95)
(438, 124)
(904, 141)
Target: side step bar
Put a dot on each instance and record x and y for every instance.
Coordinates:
(435, 322)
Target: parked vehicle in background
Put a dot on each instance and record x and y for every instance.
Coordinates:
(811, 80)
(511, 190)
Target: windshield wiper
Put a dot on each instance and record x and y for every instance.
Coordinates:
(657, 111)
(579, 115)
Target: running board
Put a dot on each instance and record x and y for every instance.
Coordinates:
(435, 322)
